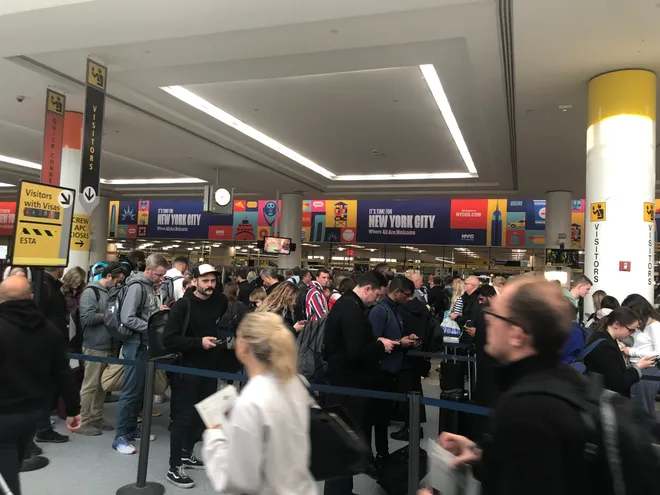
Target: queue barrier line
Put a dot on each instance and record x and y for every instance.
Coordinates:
(107, 360)
(456, 406)
(199, 372)
(446, 357)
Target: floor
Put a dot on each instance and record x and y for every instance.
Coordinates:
(86, 465)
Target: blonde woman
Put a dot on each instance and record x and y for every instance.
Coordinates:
(264, 449)
(456, 306)
(282, 301)
(257, 297)
(73, 283)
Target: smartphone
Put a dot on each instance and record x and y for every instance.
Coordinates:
(468, 324)
(218, 341)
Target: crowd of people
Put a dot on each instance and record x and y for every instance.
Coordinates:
(226, 320)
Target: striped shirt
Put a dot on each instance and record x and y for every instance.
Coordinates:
(316, 307)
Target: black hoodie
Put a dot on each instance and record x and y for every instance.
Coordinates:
(203, 322)
(33, 361)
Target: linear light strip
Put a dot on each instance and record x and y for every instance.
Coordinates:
(202, 105)
(448, 175)
(433, 81)
(113, 182)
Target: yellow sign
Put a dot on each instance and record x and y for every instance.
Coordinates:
(43, 225)
(96, 74)
(81, 233)
(598, 211)
(55, 102)
(649, 212)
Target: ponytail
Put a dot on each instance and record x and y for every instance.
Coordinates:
(621, 315)
(271, 343)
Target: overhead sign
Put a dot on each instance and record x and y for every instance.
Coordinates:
(43, 225)
(598, 211)
(649, 212)
(51, 160)
(81, 233)
(90, 172)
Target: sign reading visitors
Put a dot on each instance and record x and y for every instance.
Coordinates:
(598, 212)
(51, 160)
(81, 233)
(649, 212)
(43, 225)
(90, 172)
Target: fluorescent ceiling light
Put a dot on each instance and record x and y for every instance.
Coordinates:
(4, 184)
(114, 182)
(436, 176)
(19, 162)
(124, 182)
(433, 81)
(208, 108)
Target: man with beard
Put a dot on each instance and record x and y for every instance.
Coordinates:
(202, 308)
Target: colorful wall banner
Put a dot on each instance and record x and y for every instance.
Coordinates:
(7, 217)
(329, 220)
(407, 221)
(460, 222)
(166, 220)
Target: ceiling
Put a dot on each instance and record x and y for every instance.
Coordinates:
(337, 82)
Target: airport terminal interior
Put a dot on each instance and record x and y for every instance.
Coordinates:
(446, 138)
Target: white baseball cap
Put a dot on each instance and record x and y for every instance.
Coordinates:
(205, 269)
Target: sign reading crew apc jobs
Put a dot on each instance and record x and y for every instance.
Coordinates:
(90, 173)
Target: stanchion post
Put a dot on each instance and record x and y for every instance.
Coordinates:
(414, 407)
(142, 486)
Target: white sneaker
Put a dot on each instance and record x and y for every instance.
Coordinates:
(123, 446)
(159, 399)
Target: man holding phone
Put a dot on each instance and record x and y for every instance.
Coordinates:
(192, 331)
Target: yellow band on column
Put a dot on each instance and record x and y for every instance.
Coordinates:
(623, 92)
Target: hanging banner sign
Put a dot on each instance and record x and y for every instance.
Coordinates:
(81, 233)
(43, 225)
(90, 171)
(51, 160)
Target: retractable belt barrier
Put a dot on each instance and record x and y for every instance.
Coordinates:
(414, 399)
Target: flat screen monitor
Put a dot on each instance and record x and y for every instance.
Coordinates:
(277, 245)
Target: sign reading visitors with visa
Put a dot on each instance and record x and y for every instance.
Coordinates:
(419, 221)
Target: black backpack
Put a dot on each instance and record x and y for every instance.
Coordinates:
(76, 341)
(623, 440)
(156, 331)
(228, 325)
(311, 362)
(167, 289)
(112, 318)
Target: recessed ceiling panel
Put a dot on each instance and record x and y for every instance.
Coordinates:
(364, 122)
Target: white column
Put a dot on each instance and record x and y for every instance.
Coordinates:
(70, 176)
(558, 209)
(620, 231)
(99, 246)
(291, 226)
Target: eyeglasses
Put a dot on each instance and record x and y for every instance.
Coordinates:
(503, 318)
(631, 330)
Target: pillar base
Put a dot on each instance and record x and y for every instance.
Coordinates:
(150, 488)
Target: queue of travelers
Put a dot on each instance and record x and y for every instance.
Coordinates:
(519, 331)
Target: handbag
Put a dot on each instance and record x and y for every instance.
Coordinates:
(337, 449)
(451, 330)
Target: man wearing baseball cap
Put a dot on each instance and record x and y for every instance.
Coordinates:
(202, 307)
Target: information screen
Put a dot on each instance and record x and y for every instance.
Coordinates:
(277, 245)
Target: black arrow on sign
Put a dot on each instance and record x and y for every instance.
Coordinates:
(66, 200)
(90, 195)
(79, 243)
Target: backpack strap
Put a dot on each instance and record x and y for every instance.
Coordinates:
(587, 350)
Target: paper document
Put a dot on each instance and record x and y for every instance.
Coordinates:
(447, 479)
(215, 409)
